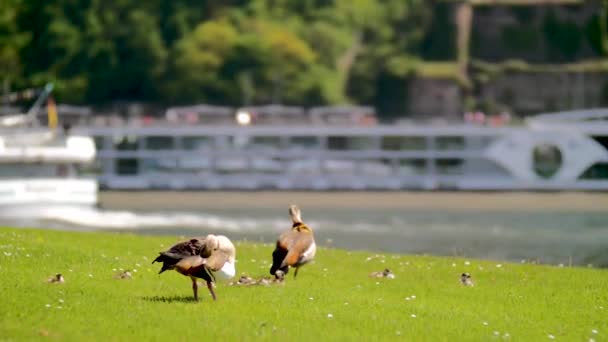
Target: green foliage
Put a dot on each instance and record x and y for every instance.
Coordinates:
(520, 37)
(305, 52)
(12, 40)
(332, 299)
(563, 38)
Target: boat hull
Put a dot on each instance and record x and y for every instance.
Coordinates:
(25, 192)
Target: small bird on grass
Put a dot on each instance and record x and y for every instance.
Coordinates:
(466, 279)
(208, 258)
(56, 279)
(294, 248)
(248, 281)
(384, 274)
(123, 275)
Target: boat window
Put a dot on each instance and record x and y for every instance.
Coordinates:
(450, 143)
(151, 165)
(304, 143)
(127, 166)
(197, 143)
(596, 171)
(602, 140)
(449, 166)
(265, 142)
(546, 160)
(126, 143)
(159, 143)
(350, 143)
(396, 143)
(99, 142)
(412, 166)
(376, 167)
(13, 171)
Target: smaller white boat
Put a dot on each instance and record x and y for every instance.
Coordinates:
(42, 166)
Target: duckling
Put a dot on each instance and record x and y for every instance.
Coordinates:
(245, 280)
(123, 275)
(208, 258)
(294, 248)
(466, 279)
(384, 274)
(58, 279)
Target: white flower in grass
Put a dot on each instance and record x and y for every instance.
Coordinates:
(330, 316)
(413, 296)
(484, 323)
(135, 270)
(60, 300)
(453, 265)
(499, 265)
(413, 315)
(467, 263)
(506, 335)
(48, 305)
(90, 275)
(59, 307)
(551, 337)
(138, 265)
(594, 331)
(114, 269)
(496, 333)
(398, 333)
(311, 298)
(591, 340)
(345, 303)
(407, 298)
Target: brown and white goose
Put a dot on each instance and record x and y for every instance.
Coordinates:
(294, 248)
(207, 258)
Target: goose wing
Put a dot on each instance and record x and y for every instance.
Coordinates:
(298, 246)
(179, 251)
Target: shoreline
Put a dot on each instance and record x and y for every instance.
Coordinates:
(406, 200)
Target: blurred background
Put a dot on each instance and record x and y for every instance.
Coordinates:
(475, 128)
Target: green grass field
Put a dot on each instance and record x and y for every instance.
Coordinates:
(332, 299)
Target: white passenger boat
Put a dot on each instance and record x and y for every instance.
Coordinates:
(565, 151)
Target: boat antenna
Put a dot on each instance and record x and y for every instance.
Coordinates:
(33, 111)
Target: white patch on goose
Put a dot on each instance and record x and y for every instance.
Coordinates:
(228, 271)
(309, 253)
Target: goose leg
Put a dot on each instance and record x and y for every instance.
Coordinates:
(295, 273)
(195, 289)
(210, 287)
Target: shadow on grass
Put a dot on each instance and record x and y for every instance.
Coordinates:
(169, 299)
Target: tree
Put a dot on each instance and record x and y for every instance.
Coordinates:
(12, 40)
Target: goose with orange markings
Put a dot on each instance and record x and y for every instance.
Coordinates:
(294, 248)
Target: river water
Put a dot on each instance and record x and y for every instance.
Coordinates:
(489, 226)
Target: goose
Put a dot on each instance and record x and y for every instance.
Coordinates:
(208, 258)
(294, 248)
(466, 280)
(123, 275)
(383, 274)
(58, 278)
